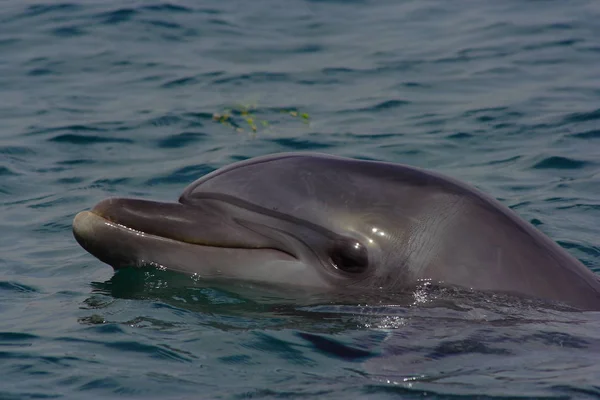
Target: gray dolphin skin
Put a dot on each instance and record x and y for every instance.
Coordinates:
(336, 223)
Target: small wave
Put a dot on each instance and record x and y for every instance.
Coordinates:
(389, 104)
(102, 383)
(589, 250)
(339, 70)
(379, 107)
(414, 85)
(460, 136)
(40, 9)
(181, 140)
(334, 348)
(161, 351)
(165, 120)
(40, 72)
(5, 171)
(110, 182)
(56, 200)
(117, 16)
(556, 339)
(17, 287)
(85, 140)
(16, 338)
(163, 24)
(371, 136)
(281, 348)
(78, 161)
(54, 227)
(301, 144)
(552, 43)
(179, 82)
(593, 134)
(167, 7)
(185, 174)
(9, 41)
(68, 31)
(493, 114)
(240, 359)
(255, 77)
(557, 162)
(504, 160)
(452, 348)
(583, 116)
(70, 128)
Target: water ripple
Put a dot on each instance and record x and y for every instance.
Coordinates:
(558, 162)
(185, 174)
(117, 16)
(85, 140)
(591, 134)
(17, 287)
(583, 116)
(182, 139)
(161, 352)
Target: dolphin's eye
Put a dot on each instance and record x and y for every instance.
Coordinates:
(349, 256)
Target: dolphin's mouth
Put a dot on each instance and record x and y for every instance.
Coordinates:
(129, 232)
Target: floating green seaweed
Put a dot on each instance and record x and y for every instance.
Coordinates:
(244, 118)
(295, 113)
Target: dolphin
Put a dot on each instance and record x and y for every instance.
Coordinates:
(338, 224)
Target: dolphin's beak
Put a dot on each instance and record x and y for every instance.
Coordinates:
(130, 232)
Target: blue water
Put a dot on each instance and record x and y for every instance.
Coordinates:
(139, 98)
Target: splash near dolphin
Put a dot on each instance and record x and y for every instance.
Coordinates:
(336, 223)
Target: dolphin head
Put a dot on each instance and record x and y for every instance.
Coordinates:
(330, 222)
(296, 218)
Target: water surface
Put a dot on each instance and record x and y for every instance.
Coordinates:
(102, 98)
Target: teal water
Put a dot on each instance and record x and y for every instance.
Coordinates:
(102, 98)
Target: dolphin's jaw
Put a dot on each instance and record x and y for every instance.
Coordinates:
(92, 232)
(121, 246)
